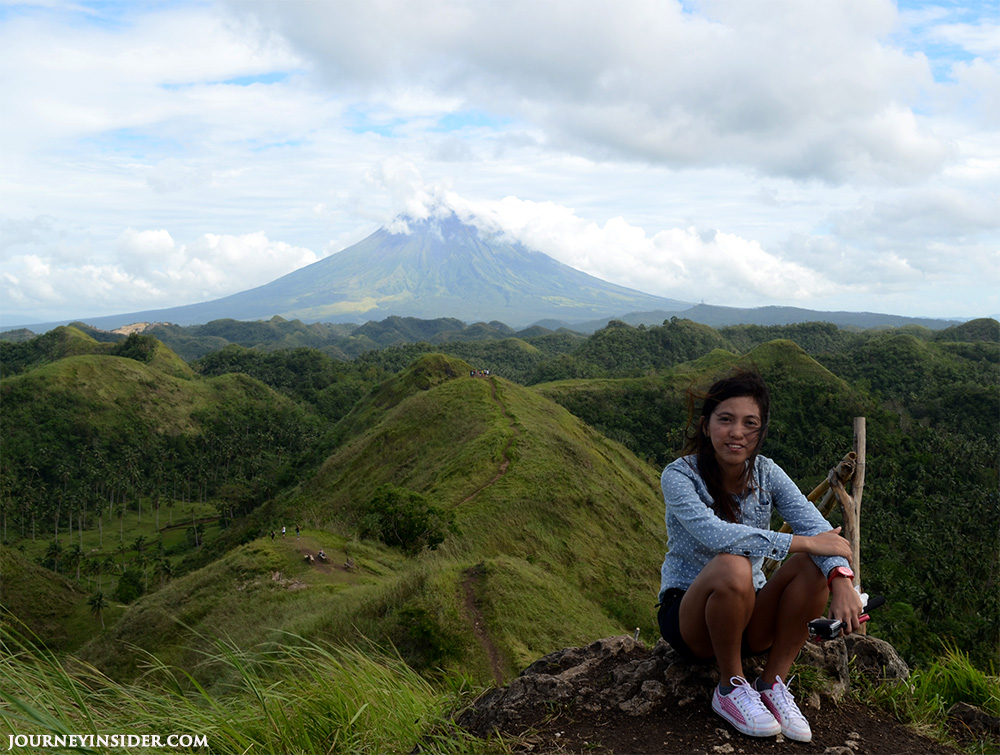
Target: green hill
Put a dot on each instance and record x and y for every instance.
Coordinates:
(552, 489)
(49, 605)
(533, 492)
(88, 439)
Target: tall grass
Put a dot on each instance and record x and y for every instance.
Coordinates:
(300, 698)
(925, 698)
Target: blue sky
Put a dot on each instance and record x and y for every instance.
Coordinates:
(830, 154)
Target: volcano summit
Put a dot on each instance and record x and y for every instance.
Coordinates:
(439, 267)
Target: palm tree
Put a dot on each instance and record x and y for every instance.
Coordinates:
(73, 558)
(97, 605)
(163, 570)
(53, 553)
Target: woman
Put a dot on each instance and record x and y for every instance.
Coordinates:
(714, 599)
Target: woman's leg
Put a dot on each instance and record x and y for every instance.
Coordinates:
(794, 596)
(716, 609)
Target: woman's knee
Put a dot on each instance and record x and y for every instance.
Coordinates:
(732, 573)
(807, 571)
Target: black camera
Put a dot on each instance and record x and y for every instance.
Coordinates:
(829, 629)
(825, 629)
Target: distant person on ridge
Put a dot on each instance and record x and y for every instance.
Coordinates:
(715, 602)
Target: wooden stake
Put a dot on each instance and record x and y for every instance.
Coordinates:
(857, 489)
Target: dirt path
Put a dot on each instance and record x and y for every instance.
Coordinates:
(504, 457)
(473, 575)
(475, 615)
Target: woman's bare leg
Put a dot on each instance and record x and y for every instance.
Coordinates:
(796, 594)
(716, 609)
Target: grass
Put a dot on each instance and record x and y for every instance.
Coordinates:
(250, 595)
(300, 698)
(924, 699)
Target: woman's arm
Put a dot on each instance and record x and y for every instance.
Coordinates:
(827, 547)
(826, 543)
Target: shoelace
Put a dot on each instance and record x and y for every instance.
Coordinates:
(744, 690)
(785, 700)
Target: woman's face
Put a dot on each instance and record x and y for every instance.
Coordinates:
(734, 429)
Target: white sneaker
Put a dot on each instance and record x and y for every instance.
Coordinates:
(782, 706)
(743, 709)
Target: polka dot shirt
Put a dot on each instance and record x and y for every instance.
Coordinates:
(696, 534)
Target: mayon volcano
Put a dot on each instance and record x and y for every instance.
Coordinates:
(438, 267)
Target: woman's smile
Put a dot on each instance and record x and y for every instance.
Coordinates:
(734, 429)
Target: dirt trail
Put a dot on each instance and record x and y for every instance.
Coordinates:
(475, 574)
(472, 610)
(504, 458)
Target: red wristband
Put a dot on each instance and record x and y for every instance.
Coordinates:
(838, 571)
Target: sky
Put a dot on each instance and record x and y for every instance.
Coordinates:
(826, 154)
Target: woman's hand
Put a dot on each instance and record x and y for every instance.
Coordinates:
(845, 604)
(828, 543)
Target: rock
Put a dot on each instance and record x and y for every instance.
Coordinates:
(631, 675)
(876, 659)
(829, 657)
(974, 720)
(622, 674)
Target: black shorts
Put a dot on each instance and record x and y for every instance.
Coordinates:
(670, 628)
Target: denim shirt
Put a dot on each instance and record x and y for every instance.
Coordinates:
(696, 534)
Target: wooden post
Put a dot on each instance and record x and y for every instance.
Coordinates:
(857, 490)
(831, 490)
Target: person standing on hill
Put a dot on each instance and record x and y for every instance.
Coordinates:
(715, 602)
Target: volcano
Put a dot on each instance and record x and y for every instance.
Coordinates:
(439, 267)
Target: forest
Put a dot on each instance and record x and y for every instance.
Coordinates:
(99, 431)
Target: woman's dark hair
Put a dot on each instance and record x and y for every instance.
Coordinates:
(740, 383)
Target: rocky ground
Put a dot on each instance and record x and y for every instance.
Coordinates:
(844, 729)
(617, 696)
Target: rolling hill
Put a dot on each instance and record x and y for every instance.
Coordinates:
(533, 492)
(552, 488)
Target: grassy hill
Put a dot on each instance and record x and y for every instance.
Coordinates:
(540, 504)
(533, 478)
(107, 404)
(44, 603)
(533, 492)
(101, 452)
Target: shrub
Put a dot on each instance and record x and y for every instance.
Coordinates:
(129, 586)
(138, 347)
(404, 519)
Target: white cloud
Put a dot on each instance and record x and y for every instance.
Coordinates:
(740, 151)
(790, 88)
(680, 263)
(149, 270)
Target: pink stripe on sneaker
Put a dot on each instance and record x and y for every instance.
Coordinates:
(732, 709)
